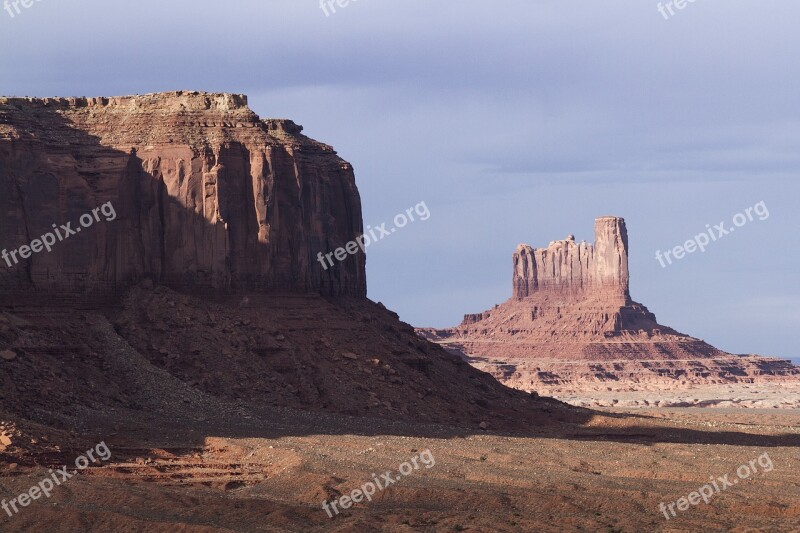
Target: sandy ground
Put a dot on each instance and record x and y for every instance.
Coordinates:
(271, 470)
(778, 395)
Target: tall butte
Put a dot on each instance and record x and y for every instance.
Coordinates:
(571, 321)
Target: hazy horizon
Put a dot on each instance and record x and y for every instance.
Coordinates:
(515, 124)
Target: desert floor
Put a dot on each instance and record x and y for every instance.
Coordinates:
(249, 471)
(776, 395)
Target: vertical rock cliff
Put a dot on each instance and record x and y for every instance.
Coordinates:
(206, 195)
(567, 267)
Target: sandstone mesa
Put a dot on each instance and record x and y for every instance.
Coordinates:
(209, 196)
(205, 288)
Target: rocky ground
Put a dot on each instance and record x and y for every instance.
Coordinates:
(160, 348)
(270, 470)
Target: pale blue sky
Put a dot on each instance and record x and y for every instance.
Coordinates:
(515, 121)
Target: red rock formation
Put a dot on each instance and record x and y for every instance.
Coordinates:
(571, 320)
(567, 267)
(207, 195)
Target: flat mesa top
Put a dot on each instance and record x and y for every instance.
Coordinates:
(174, 99)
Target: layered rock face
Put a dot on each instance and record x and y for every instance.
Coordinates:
(206, 195)
(572, 323)
(567, 267)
